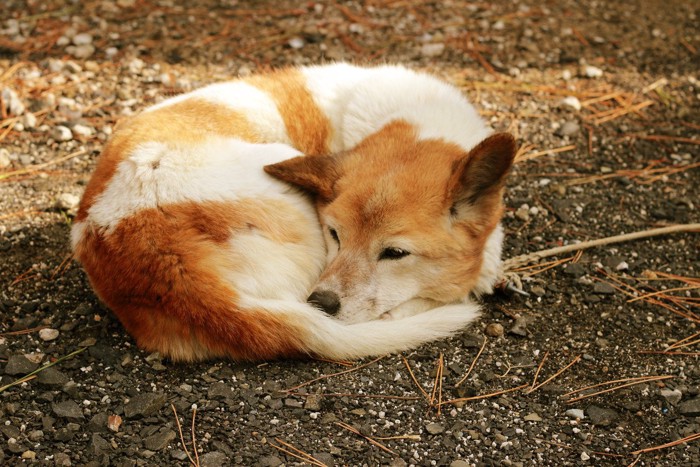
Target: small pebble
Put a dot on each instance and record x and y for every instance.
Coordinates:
(590, 71)
(532, 417)
(673, 396)
(48, 334)
(82, 39)
(67, 201)
(569, 128)
(82, 130)
(523, 213)
(296, 42)
(572, 102)
(4, 159)
(434, 428)
(62, 133)
(575, 413)
(494, 330)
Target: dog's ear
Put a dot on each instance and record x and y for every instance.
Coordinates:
(478, 178)
(316, 174)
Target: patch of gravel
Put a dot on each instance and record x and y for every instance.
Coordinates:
(69, 71)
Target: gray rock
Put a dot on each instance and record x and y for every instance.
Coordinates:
(144, 405)
(99, 445)
(574, 270)
(519, 327)
(538, 291)
(325, 457)
(67, 201)
(603, 288)
(270, 461)
(601, 416)
(68, 409)
(98, 423)
(220, 391)
(52, 377)
(690, 408)
(569, 128)
(213, 459)
(19, 365)
(434, 428)
(159, 440)
(61, 459)
(178, 454)
(313, 403)
(673, 396)
(532, 417)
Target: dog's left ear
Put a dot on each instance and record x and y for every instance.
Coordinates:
(478, 178)
(315, 174)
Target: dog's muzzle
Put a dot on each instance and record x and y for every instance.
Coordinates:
(326, 300)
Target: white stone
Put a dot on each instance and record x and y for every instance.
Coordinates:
(590, 71)
(5, 160)
(571, 101)
(29, 120)
(296, 42)
(584, 456)
(48, 334)
(12, 102)
(82, 39)
(62, 133)
(67, 201)
(575, 413)
(82, 130)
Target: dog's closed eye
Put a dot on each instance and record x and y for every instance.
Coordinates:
(334, 235)
(393, 253)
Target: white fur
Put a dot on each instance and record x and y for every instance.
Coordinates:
(220, 169)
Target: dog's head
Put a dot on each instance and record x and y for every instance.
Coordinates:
(405, 219)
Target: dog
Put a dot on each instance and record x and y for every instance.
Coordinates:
(332, 211)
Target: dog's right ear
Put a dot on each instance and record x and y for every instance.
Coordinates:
(315, 174)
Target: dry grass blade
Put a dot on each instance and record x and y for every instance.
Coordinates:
(687, 439)
(182, 437)
(194, 439)
(471, 367)
(359, 396)
(522, 260)
(37, 167)
(371, 440)
(631, 383)
(484, 396)
(413, 377)
(436, 394)
(298, 453)
(22, 332)
(533, 155)
(32, 375)
(306, 383)
(682, 342)
(537, 372)
(663, 292)
(551, 378)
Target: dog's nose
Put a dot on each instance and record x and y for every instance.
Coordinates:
(326, 300)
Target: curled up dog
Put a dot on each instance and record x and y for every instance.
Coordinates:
(373, 193)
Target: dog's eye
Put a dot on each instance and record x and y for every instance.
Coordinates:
(393, 253)
(334, 235)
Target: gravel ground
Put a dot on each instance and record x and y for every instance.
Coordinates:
(605, 99)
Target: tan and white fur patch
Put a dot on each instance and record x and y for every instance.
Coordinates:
(190, 231)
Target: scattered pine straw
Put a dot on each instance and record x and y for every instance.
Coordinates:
(298, 453)
(628, 382)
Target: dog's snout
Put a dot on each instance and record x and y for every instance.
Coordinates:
(326, 300)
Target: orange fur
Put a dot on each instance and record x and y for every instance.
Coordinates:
(160, 273)
(308, 128)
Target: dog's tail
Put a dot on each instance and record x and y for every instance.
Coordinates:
(323, 336)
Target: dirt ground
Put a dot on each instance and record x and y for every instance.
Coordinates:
(604, 98)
